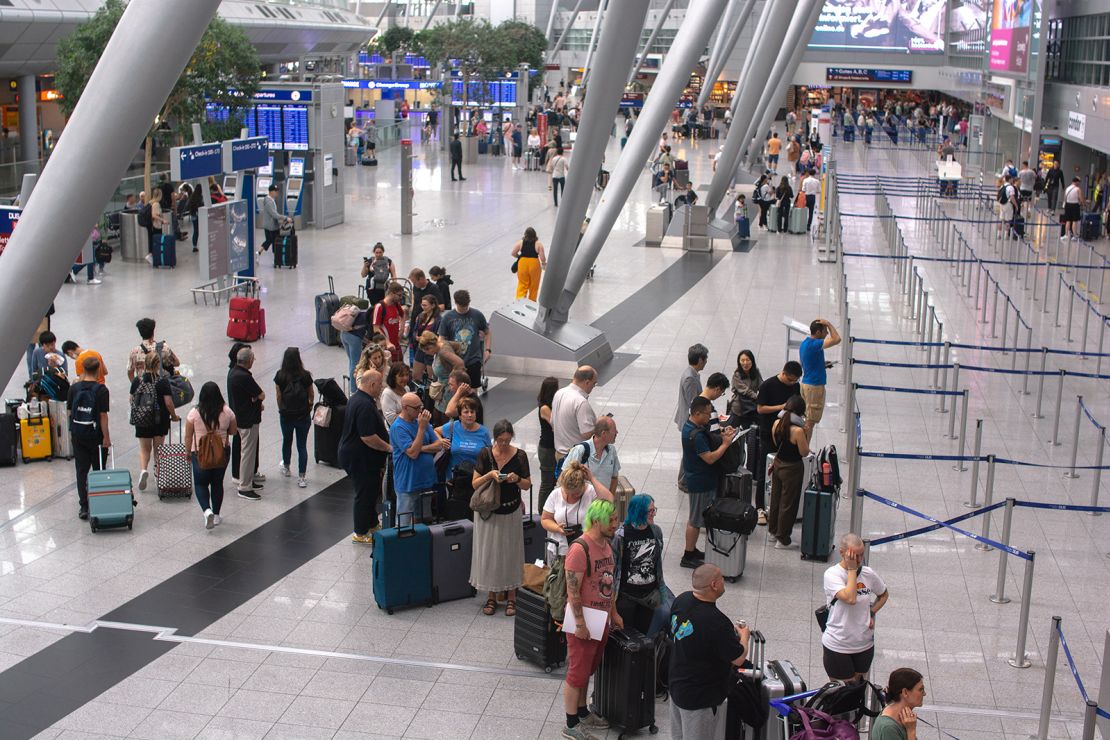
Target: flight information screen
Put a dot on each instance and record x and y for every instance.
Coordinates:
(295, 127)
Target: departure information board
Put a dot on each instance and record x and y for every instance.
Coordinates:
(294, 122)
(285, 126)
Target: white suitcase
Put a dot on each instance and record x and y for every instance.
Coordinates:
(728, 551)
(59, 423)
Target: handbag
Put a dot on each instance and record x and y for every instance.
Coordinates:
(828, 727)
(435, 390)
(487, 496)
(533, 577)
(321, 417)
(181, 390)
(800, 200)
(821, 613)
(515, 266)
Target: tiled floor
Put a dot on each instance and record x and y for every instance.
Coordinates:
(269, 667)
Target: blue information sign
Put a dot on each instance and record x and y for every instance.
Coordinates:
(859, 74)
(196, 162)
(246, 154)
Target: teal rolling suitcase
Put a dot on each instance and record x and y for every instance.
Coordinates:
(403, 565)
(818, 523)
(111, 501)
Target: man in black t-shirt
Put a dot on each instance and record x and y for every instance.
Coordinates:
(362, 453)
(706, 646)
(245, 397)
(772, 397)
(88, 427)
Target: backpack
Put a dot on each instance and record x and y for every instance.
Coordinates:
(211, 450)
(84, 419)
(847, 700)
(344, 318)
(294, 396)
(828, 455)
(555, 584)
(1003, 195)
(144, 404)
(145, 219)
(380, 271)
(585, 459)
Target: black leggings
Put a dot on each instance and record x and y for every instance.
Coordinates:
(845, 666)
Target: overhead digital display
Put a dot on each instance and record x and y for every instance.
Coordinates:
(268, 122)
(294, 123)
(1011, 26)
(969, 15)
(285, 126)
(907, 26)
(859, 74)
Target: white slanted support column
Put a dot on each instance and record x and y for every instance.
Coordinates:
(666, 11)
(733, 27)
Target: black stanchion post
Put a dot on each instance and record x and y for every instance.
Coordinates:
(1096, 477)
(1049, 678)
(1075, 437)
(988, 498)
(976, 453)
(1059, 402)
(999, 595)
(1020, 660)
(1040, 383)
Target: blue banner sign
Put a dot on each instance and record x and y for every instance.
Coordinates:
(859, 74)
(196, 162)
(246, 154)
(392, 84)
(285, 96)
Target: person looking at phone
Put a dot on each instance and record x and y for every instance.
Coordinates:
(856, 593)
(414, 444)
(698, 457)
(791, 445)
(565, 509)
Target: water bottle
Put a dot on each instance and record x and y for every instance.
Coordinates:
(826, 475)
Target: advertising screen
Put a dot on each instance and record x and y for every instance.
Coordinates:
(969, 15)
(9, 217)
(215, 217)
(1011, 24)
(906, 26)
(238, 250)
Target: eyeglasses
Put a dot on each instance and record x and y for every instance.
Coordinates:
(411, 406)
(652, 510)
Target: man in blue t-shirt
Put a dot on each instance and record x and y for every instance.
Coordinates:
(468, 327)
(415, 443)
(698, 458)
(822, 335)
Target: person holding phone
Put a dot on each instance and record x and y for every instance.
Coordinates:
(565, 509)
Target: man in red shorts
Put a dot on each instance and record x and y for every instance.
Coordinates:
(590, 584)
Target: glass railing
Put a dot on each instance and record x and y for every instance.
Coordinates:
(11, 177)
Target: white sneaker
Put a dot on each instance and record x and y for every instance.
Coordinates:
(142, 480)
(94, 281)
(284, 471)
(301, 482)
(216, 519)
(209, 519)
(1064, 238)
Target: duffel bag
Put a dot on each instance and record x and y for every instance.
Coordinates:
(731, 515)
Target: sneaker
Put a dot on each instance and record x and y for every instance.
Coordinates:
(301, 482)
(699, 554)
(257, 486)
(690, 561)
(216, 519)
(762, 521)
(1064, 238)
(284, 470)
(578, 732)
(783, 544)
(250, 495)
(83, 514)
(142, 480)
(259, 478)
(209, 519)
(95, 281)
(593, 721)
(362, 539)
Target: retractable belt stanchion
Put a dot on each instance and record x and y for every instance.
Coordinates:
(972, 503)
(1075, 437)
(988, 500)
(1059, 401)
(999, 595)
(952, 419)
(1040, 383)
(1028, 357)
(1096, 475)
(1020, 660)
(1049, 678)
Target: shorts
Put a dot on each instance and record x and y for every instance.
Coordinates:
(1071, 212)
(698, 502)
(846, 665)
(1025, 195)
(814, 396)
(583, 658)
(772, 159)
(1006, 212)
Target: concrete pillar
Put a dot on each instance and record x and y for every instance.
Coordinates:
(563, 37)
(551, 21)
(431, 15)
(760, 27)
(688, 45)
(99, 139)
(602, 6)
(615, 50)
(724, 49)
(666, 11)
(768, 47)
(801, 29)
(28, 119)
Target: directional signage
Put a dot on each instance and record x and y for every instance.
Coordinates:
(196, 162)
(246, 154)
(858, 74)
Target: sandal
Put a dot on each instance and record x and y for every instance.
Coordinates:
(510, 608)
(490, 608)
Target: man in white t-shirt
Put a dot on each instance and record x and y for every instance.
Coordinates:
(811, 186)
(1007, 200)
(854, 593)
(1073, 209)
(572, 417)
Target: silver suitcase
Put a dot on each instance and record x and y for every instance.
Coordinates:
(728, 551)
(780, 678)
(799, 218)
(59, 422)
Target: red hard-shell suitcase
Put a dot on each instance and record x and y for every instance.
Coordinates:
(246, 319)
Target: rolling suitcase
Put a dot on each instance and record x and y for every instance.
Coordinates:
(326, 306)
(173, 471)
(818, 523)
(111, 498)
(452, 545)
(35, 440)
(165, 251)
(536, 637)
(59, 429)
(246, 319)
(744, 227)
(780, 678)
(326, 438)
(622, 494)
(798, 223)
(728, 551)
(350, 156)
(285, 248)
(9, 444)
(737, 485)
(602, 179)
(402, 566)
(773, 218)
(534, 534)
(747, 717)
(1090, 226)
(624, 685)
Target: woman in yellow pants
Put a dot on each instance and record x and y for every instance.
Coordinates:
(530, 261)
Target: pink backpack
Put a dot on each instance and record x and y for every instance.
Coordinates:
(830, 728)
(344, 318)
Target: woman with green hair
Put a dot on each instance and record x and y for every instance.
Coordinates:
(642, 597)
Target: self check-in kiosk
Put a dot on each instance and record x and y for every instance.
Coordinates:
(231, 187)
(295, 190)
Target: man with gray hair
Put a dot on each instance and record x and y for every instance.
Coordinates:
(599, 455)
(363, 450)
(689, 386)
(245, 397)
(572, 417)
(706, 646)
(854, 594)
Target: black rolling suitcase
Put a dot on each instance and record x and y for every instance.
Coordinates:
(326, 306)
(624, 685)
(327, 420)
(536, 638)
(285, 248)
(9, 433)
(452, 544)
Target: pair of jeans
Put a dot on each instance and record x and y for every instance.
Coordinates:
(289, 428)
(407, 503)
(208, 486)
(811, 203)
(86, 456)
(270, 240)
(456, 164)
(352, 343)
(557, 186)
(196, 229)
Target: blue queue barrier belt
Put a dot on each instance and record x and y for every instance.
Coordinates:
(1090, 416)
(912, 365)
(934, 527)
(982, 347)
(782, 706)
(966, 260)
(907, 510)
(973, 458)
(919, 391)
(1075, 673)
(1063, 507)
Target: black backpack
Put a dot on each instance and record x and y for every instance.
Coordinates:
(731, 515)
(84, 419)
(294, 395)
(1003, 195)
(145, 219)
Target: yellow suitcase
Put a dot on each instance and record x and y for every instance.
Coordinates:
(34, 438)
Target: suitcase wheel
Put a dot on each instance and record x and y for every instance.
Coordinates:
(94, 523)
(732, 579)
(389, 610)
(547, 669)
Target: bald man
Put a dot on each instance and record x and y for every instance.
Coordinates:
(415, 443)
(362, 453)
(572, 417)
(706, 646)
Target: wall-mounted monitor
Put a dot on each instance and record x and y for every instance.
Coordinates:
(296, 167)
(862, 25)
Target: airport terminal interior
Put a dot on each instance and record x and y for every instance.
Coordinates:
(955, 238)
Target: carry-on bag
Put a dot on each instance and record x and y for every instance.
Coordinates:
(624, 685)
(818, 523)
(728, 551)
(173, 471)
(780, 678)
(773, 218)
(326, 306)
(622, 494)
(534, 534)
(111, 497)
(731, 515)
(799, 220)
(285, 248)
(452, 545)
(536, 637)
(744, 227)
(1090, 226)
(736, 485)
(59, 429)
(748, 711)
(165, 251)
(246, 319)
(402, 565)
(9, 439)
(326, 437)
(35, 440)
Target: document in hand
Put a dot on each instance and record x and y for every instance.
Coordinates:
(596, 620)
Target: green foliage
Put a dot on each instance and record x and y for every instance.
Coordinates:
(392, 39)
(481, 50)
(224, 60)
(522, 42)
